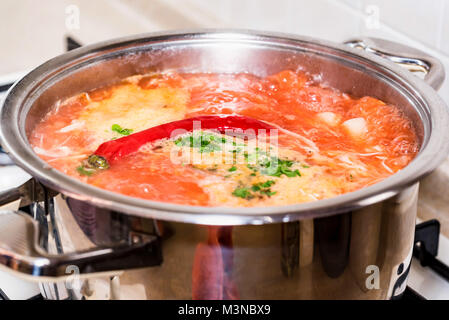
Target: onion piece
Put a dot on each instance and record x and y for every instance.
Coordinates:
(329, 118)
(356, 127)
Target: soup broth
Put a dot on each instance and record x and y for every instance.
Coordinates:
(327, 142)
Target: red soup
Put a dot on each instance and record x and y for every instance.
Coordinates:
(321, 143)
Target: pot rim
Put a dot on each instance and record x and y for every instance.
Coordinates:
(434, 149)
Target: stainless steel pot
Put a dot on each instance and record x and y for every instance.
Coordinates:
(357, 245)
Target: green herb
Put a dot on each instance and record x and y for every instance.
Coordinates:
(264, 188)
(268, 183)
(243, 193)
(232, 169)
(203, 142)
(258, 189)
(283, 168)
(262, 162)
(235, 144)
(124, 132)
(273, 166)
(85, 172)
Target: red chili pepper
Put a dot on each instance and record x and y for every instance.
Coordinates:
(116, 149)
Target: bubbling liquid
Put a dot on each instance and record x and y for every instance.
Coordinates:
(329, 143)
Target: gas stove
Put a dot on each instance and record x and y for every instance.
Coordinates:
(428, 273)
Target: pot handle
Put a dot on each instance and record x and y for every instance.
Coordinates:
(19, 251)
(412, 59)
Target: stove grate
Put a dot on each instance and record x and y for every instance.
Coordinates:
(427, 237)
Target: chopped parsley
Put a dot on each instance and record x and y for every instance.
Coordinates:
(243, 193)
(269, 193)
(124, 132)
(258, 161)
(271, 166)
(204, 142)
(268, 183)
(257, 189)
(85, 171)
(264, 188)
